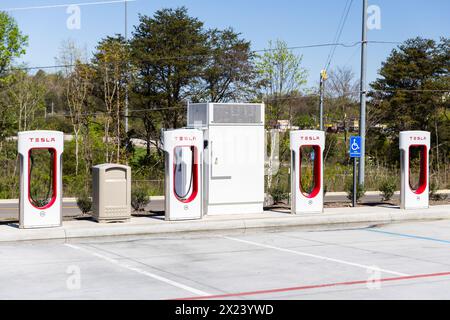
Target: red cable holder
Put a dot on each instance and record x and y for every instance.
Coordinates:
(195, 178)
(317, 172)
(54, 179)
(423, 176)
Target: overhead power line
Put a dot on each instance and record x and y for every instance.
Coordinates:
(339, 30)
(358, 92)
(265, 100)
(318, 45)
(65, 5)
(355, 51)
(271, 99)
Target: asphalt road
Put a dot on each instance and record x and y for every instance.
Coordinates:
(398, 261)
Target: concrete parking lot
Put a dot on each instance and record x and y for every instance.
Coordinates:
(397, 261)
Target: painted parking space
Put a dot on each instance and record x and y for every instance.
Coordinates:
(377, 263)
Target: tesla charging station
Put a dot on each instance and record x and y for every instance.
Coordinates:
(183, 181)
(414, 185)
(40, 178)
(307, 146)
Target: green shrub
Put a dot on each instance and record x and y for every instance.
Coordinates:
(84, 203)
(433, 193)
(278, 194)
(139, 199)
(387, 188)
(360, 191)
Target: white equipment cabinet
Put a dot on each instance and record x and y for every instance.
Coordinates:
(40, 155)
(183, 180)
(234, 156)
(307, 145)
(414, 194)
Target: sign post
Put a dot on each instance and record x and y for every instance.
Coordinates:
(355, 153)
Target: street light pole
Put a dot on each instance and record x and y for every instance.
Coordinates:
(362, 120)
(323, 77)
(126, 84)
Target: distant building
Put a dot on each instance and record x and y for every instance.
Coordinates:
(285, 125)
(354, 125)
(331, 128)
(351, 125)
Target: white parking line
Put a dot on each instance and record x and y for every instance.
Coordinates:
(316, 256)
(140, 271)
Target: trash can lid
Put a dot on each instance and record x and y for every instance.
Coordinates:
(110, 165)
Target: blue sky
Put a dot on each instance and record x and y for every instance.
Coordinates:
(300, 22)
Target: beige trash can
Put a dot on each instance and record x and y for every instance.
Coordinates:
(111, 193)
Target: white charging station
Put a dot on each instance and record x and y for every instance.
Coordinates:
(414, 186)
(307, 145)
(183, 180)
(234, 152)
(40, 178)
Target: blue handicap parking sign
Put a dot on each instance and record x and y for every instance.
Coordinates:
(355, 147)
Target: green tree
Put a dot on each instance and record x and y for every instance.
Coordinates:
(169, 52)
(12, 42)
(12, 46)
(230, 73)
(304, 110)
(405, 92)
(281, 75)
(78, 86)
(7, 119)
(111, 63)
(412, 94)
(342, 96)
(26, 95)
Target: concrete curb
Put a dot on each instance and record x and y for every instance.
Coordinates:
(332, 218)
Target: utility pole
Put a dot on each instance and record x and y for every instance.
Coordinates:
(126, 81)
(323, 77)
(362, 119)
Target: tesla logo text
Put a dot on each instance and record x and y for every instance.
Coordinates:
(185, 138)
(310, 138)
(417, 138)
(37, 140)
